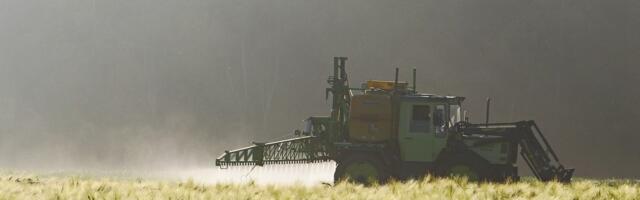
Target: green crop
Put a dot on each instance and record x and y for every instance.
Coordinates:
(20, 186)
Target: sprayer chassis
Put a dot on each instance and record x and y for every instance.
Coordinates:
(433, 141)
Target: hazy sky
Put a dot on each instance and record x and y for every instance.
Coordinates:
(130, 83)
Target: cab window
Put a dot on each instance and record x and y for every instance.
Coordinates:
(454, 114)
(420, 119)
(439, 119)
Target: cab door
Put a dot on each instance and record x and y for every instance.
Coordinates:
(417, 131)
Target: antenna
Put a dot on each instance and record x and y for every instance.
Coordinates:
(414, 80)
(486, 123)
(395, 82)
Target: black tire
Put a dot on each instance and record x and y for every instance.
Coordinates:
(507, 174)
(501, 173)
(358, 168)
(473, 169)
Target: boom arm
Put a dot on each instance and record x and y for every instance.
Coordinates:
(315, 148)
(306, 149)
(534, 148)
(542, 160)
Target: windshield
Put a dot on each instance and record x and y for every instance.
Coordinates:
(454, 114)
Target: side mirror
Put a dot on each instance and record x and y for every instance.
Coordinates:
(465, 116)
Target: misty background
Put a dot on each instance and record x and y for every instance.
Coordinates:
(121, 84)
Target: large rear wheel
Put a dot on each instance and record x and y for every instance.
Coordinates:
(361, 168)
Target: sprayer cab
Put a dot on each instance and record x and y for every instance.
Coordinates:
(377, 115)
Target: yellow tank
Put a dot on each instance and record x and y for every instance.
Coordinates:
(370, 118)
(385, 85)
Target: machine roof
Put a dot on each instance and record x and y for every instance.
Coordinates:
(422, 96)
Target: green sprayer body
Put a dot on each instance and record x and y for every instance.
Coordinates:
(386, 129)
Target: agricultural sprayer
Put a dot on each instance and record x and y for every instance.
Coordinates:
(387, 129)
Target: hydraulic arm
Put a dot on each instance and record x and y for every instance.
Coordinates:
(534, 147)
(539, 155)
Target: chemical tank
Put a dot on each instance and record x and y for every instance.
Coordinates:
(370, 118)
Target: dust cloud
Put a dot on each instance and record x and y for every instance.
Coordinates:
(157, 84)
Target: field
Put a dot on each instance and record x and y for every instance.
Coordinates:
(25, 186)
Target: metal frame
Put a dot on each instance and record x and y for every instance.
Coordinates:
(296, 150)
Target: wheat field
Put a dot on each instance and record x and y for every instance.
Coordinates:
(25, 186)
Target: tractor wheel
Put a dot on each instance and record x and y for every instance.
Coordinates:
(361, 168)
(460, 167)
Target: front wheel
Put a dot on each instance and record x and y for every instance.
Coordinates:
(361, 168)
(463, 168)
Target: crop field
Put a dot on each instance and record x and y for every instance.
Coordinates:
(29, 186)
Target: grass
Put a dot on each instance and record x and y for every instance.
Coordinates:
(22, 186)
